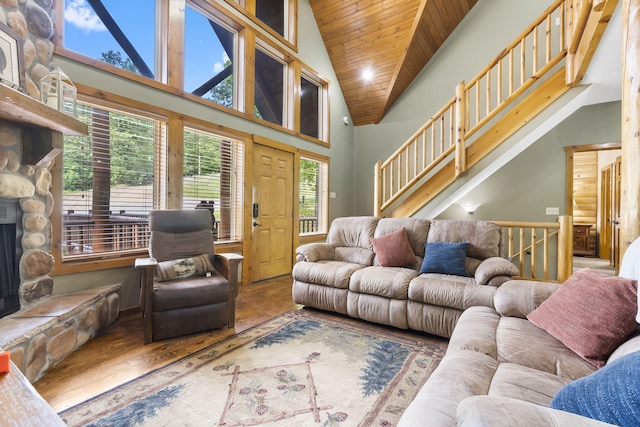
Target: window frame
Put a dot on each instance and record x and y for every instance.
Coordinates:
(169, 69)
(323, 202)
(237, 217)
(287, 93)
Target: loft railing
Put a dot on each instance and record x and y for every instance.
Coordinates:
(532, 245)
(530, 57)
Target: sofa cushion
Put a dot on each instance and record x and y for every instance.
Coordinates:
(334, 274)
(591, 313)
(417, 231)
(450, 291)
(387, 282)
(183, 268)
(354, 232)
(394, 250)
(517, 341)
(351, 238)
(483, 236)
(445, 258)
(611, 394)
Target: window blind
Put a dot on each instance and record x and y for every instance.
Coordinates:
(212, 178)
(112, 178)
(314, 206)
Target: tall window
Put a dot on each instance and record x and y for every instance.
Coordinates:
(269, 88)
(209, 58)
(114, 32)
(274, 14)
(212, 179)
(112, 178)
(314, 197)
(310, 114)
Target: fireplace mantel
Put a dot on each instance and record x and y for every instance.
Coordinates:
(18, 108)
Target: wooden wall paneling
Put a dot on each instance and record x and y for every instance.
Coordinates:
(585, 191)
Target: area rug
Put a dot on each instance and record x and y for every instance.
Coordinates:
(302, 368)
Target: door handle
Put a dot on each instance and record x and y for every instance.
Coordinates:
(256, 224)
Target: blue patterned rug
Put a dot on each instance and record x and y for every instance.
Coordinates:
(303, 368)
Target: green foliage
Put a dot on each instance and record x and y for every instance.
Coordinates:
(131, 150)
(309, 174)
(115, 58)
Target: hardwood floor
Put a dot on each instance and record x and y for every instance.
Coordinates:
(120, 354)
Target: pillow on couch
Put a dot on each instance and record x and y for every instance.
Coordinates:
(445, 258)
(611, 394)
(183, 268)
(394, 249)
(591, 313)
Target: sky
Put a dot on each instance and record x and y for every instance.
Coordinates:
(85, 33)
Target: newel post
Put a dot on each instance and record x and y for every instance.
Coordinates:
(565, 247)
(461, 128)
(377, 189)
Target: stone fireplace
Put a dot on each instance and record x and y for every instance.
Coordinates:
(27, 200)
(10, 254)
(46, 327)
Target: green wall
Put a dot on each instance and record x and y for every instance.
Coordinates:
(486, 30)
(312, 52)
(536, 178)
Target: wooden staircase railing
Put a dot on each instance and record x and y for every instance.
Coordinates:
(536, 53)
(532, 246)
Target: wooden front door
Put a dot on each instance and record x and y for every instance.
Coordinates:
(272, 212)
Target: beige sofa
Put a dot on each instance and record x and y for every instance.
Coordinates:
(502, 370)
(345, 274)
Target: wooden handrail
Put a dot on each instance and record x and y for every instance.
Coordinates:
(522, 241)
(492, 90)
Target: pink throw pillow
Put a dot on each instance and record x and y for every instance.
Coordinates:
(591, 313)
(394, 249)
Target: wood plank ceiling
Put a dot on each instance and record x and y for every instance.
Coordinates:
(393, 38)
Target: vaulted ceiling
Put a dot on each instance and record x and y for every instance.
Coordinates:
(393, 38)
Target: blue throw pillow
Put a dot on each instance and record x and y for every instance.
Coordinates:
(611, 394)
(445, 258)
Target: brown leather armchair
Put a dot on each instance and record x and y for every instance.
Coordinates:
(185, 287)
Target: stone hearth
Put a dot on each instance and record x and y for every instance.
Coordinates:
(43, 335)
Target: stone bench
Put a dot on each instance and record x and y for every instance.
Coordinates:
(43, 334)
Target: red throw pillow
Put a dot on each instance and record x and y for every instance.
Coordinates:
(394, 249)
(591, 313)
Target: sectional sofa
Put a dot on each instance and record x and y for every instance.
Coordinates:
(405, 272)
(547, 355)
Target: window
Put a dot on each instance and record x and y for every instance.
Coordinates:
(274, 14)
(212, 178)
(269, 88)
(109, 31)
(209, 58)
(111, 180)
(314, 203)
(310, 116)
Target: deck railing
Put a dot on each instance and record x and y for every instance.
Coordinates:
(532, 55)
(122, 232)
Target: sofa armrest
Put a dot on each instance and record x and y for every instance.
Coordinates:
(506, 412)
(518, 298)
(494, 267)
(312, 252)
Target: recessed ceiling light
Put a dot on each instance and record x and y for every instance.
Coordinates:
(367, 74)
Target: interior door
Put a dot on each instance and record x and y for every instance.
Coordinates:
(272, 212)
(617, 183)
(606, 220)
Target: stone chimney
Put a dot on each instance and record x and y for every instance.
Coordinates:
(28, 179)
